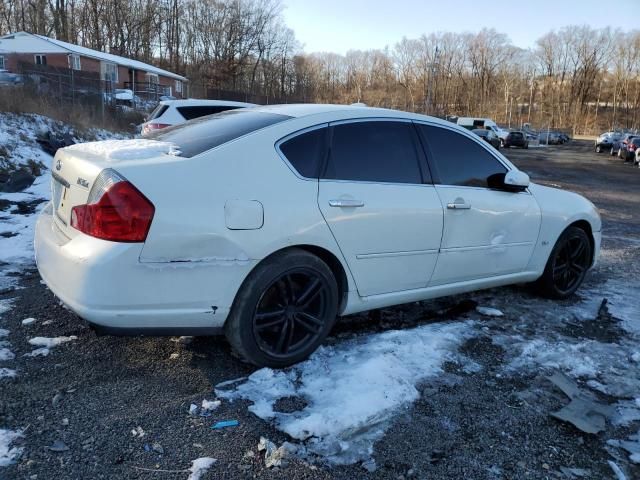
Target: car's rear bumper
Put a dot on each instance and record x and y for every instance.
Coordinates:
(106, 284)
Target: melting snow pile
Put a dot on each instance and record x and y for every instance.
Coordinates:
(352, 390)
(9, 455)
(134, 149)
(46, 344)
(200, 466)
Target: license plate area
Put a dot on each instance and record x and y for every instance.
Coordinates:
(59, 191)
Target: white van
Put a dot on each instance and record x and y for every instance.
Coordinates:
(471, 123)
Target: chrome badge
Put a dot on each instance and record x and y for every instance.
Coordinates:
(82, 182)
(59, 165)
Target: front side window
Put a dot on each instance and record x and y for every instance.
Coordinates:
(40, 59)
(458, 159)
(374, 151)
(306, 151)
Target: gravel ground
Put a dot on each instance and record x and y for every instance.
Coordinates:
(491, 423)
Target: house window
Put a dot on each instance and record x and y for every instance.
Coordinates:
(152, 78)
(74, 62)
(1, 62)
(178, 86)
(40, 59)
(110, 72)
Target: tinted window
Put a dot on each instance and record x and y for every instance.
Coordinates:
(375, 152)
(459, 160)
(306, 152)
(192, 112)
(159, 110)
(205, 133)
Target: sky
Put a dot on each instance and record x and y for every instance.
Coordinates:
(342, 25)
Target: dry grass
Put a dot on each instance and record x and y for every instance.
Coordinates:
(84, 115)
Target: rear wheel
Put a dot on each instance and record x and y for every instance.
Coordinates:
(613, 151)
(598, 148)
(284, 310)
(567, 265)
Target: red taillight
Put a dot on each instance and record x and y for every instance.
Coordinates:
(122, 214)
(149, 127)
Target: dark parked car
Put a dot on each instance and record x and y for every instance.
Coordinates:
(621, 146)
(630, 152)
(488, 136)
(516, 139)
(606, 141)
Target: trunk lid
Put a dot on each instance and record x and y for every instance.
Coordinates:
(75, 169)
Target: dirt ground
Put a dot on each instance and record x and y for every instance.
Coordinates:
(490, 423)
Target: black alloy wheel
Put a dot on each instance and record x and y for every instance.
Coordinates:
(284, 309)
(568, 264)
(291, 313)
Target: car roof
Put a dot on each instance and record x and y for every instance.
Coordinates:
(193, 102)
(299, 110)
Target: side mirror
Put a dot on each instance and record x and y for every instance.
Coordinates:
(512, 181)
(516, 178)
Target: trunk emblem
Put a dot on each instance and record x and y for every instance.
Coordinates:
(59, 165)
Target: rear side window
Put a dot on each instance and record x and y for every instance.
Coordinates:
(374, 152)
(191, 112)
(159, 110)
(205, 133)
(307, 151)
(457, 159)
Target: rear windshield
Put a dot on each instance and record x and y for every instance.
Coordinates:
(204, 133)
(516, 134)
(196, 111)
(159, 110)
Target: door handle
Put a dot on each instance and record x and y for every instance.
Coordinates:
(459, 206)
(346, 202)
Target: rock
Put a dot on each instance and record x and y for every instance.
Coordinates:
(65, 421)
(58, 446)
(18, 181)
(193, 409)
(57, 398)
(489, 312)
(156, 447)
(369, 465)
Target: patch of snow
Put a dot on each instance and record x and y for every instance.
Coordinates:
(4, 332)
(210, 404)
(28, 321)
(6, 354)
(51, 342)
(632, 446)
(38, 352)
(199, 467)
(7, 373)
(9, 455)
(133, 149)
(489, 312)
(352, 390)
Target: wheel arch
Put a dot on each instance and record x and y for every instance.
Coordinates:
(586, 226)
(328, 257)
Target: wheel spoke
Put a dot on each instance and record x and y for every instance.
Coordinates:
(290, 289)
(266, 315)
(282, 291)
(578, 251)
(310, 323)
(271, 324)
(310, 293)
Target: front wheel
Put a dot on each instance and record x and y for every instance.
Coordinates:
(612, 152)
(567, 265)
(284, 310)
(598, 148)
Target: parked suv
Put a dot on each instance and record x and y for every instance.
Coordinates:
(606, 141)
(516, 139)
(175, 112)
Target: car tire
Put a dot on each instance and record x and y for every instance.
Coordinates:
(612, 152)
(270, 323)
(567, 264)
(598, 148)
(502, 143)
(526, 145)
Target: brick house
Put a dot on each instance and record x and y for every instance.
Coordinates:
(22, 48)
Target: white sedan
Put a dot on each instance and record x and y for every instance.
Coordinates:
(270, 222)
